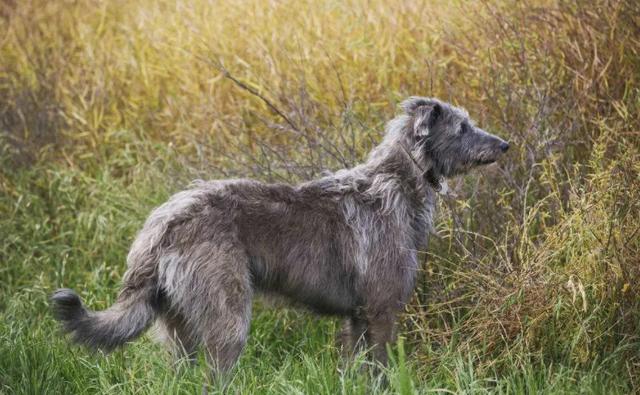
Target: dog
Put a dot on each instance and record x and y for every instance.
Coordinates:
(343, 245)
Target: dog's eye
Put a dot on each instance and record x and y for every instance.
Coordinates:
(464, 128)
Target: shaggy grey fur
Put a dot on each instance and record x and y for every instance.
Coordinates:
(343, 245)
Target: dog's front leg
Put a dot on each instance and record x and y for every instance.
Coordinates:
(380, 332)
(352, 337)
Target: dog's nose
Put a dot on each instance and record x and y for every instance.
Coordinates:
(504, 146)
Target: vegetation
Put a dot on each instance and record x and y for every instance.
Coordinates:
(532, 279)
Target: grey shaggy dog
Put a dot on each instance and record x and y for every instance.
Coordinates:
(343, 245)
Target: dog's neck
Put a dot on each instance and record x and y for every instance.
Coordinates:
(405, 180)
(404, 164)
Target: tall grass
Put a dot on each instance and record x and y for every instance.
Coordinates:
(530, 283)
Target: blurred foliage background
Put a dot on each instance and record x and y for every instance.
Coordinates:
(108, 107)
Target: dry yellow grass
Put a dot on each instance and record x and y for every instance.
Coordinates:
(105, 67)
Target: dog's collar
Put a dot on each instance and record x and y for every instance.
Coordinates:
(438, 183)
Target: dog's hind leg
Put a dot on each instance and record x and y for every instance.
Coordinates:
(181, 339)
(228, 333)
(215, 301)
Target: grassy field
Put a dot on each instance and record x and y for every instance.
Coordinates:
(532, 279)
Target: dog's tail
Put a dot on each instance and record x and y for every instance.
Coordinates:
(134, 309)
(136, 306)
(107, 329)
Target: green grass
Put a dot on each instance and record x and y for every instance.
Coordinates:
(73, 230)
(289, 352)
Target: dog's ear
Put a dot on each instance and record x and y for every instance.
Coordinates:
(425, 113)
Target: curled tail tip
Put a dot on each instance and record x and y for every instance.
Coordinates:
(64, 295)
(66, 305)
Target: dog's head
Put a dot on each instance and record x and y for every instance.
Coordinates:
(452, 143)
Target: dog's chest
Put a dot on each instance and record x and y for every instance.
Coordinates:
(422, 221)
